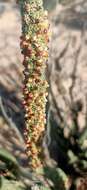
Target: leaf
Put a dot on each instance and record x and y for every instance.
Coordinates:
(2, 166)
(5, 156)
(58, 177)
(9, 163)
(72, 157)
(44, 188)
(10, 184)
(38, 187)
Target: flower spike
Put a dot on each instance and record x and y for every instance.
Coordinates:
(34, 47)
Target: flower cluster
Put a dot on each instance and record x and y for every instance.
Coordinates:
(34, 40)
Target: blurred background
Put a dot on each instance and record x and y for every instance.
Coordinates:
(65, 144)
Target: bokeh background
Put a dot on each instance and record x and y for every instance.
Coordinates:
(65, 144)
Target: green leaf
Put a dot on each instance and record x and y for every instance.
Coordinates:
(9, 162)
(5, 156)
(39, 187)
(57, 176)
(10, 184)
(44, 188)
(72, 157)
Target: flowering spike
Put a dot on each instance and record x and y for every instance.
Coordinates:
(34, 40)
